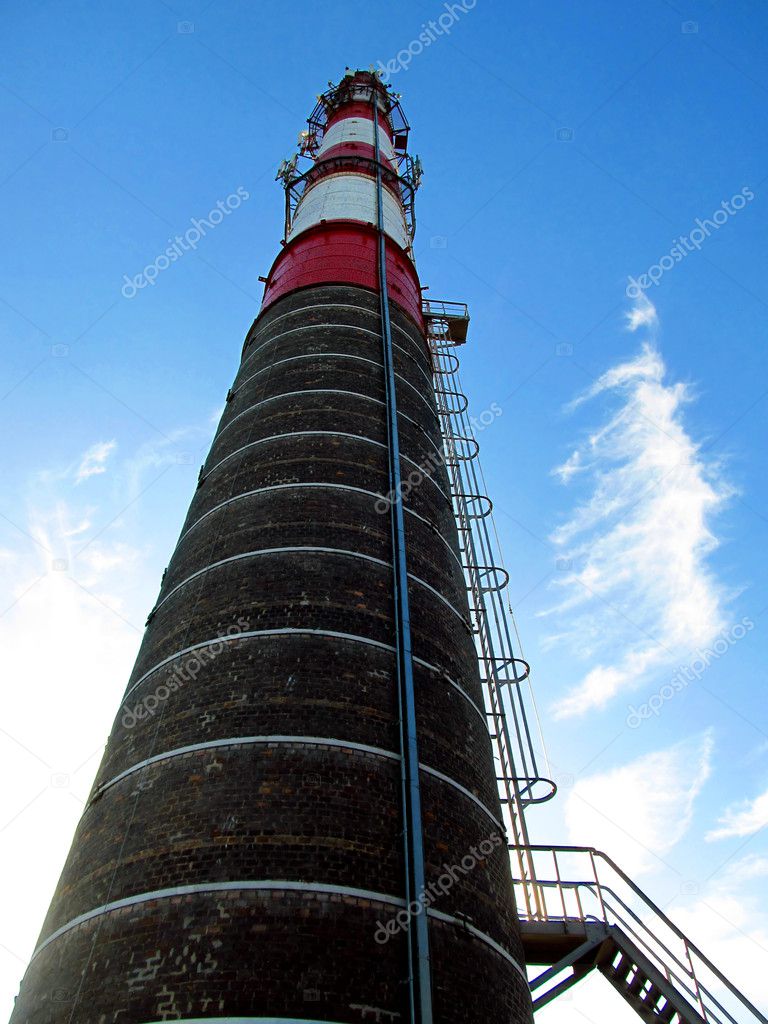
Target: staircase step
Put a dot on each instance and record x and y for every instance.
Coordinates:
(635, 985)
(666, 1014)
(622, 968)
(652, 996)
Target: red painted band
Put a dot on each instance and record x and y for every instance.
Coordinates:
(362, 149)
(344, 252)
(356, 108)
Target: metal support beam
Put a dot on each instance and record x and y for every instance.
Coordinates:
(420, 982)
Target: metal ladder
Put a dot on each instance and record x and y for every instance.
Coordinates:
(504, 674)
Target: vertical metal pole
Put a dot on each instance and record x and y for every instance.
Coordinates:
(420, 983)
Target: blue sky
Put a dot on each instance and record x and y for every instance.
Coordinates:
(566, 148)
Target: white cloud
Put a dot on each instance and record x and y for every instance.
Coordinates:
(742, 819)
(641, 594)
(639, 811)
(70, 627)
(642, 314)
(79, 579)
(94, 461)
(569, 468)
(68, 642)
(728, 922)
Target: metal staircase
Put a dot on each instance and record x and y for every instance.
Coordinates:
(601, 920)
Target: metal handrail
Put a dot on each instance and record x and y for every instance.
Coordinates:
(613, 909)
(444, 308)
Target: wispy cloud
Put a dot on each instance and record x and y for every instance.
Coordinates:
(80, 572)
(642, 314)
(641, 594)
(742, 819)
(729, 923)
(639, 811)
(94, 461)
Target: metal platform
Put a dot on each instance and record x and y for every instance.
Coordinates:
(447, 322)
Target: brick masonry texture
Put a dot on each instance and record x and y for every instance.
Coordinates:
(285, 538)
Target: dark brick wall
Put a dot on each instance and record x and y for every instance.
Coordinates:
(261, 797)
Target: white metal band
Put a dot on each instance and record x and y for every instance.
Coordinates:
(337, 487)
(315, 327)
(296, 631)
(244, 1020)
(340, 355)
(321, 391)
(296, 549)
(303, 741)
(275, 886)
(330, 305)
(324, 433)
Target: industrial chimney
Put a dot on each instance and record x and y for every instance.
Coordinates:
(297, 817)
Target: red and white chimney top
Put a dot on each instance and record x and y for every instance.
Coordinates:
(331, 209)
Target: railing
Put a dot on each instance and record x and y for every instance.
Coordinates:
(296, 184)
(603, 892)
(443, 308)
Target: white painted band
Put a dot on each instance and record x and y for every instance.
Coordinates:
(355, 129)
(349, 196)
